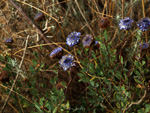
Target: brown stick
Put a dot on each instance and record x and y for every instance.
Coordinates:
(32, 23)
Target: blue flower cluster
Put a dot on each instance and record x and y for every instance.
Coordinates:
(143, 24)
(66, 62)
(39, 17)
(56, 52)
(87, 40)
(144, 45)
(73, 38)
(125, 23)
(9, 40)
(96, 42)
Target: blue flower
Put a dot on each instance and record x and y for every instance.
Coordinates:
(73, 38)
(125, 23)
(66, 62)
(56, 52)
(144, 45)
(96, 42)
(9, 40)
(87, 41)
(39, 16)
(144, 24)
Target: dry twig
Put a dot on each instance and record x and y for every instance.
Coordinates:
(135, 103)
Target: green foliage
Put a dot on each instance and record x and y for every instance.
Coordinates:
(108, 79)
(110, 84)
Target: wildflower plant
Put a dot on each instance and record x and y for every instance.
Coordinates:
(102, 74)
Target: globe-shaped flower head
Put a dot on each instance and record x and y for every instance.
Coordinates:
(144, 24)
(87, 41)
(104, 23)
(56, 53)
(38, 17)
(96, 44)
(125, 23)
(9, 40)
(66, 62)
(73, 38)
(144, 45)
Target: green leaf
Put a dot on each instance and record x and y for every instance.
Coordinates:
(84, 70)
(137, 73)
(137, 64)
(86, 51)
(55, 109)
(79, 52)
(147, 108)
(39, 109)
(140, 111)
(107, 82)
(92, 83)
(80, 74)
(143, 63)
(55, 71)
(36, 54)
(91, 68)
(34, 62)
(41, 101)
(118, 105)
(25, 104)
(42, 65)
(103, 106)
(64, 84)
(106, 35)
(121, 60)
(93, 54)
(31, 69)
(41, 47)
(52, 81)
(67, 105)
(122, 105)
(103, 47)
(84, 79)
(137, 80)
(48, 105)
(125, 70)
(7, 67)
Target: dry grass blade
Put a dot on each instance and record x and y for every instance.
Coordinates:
(84, 17)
